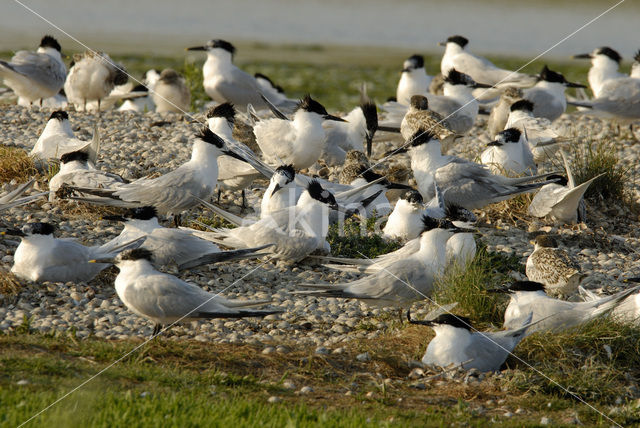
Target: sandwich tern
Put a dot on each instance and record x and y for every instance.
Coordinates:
(91, 78)
(414, 80)
(42, 257)
(179, 246)
(529, 297)
(57, 138)
(510, 152)
(420, 118)
(165, 299)
(171, 93)
(456, 345)
(562, 201)
(547, 96)
(300, 141)
(480, 69)
(174, 191)
(282, 191)
(627, 311)
(360, 126)
(553, 267)
(405, 221)
(35, 75)
(604, 68)
(467, 184)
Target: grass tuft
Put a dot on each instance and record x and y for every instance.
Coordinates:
(192, 72)
(358, 239)
(15, 164)
(10, 285)
(214, 222)
(592, 158)
(468, 285)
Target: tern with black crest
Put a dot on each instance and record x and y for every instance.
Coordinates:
(414, 79)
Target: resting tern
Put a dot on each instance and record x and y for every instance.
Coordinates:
(282, 191)
(457, 105)
(553, 267)
(500, 112)
(402, 277)
(604, 68)
(179, 246)
(360, 126)
(177, 190)
(529, 297)
(35, 75)
(405, 221)
(456, 344)
(414, 80)
(224, 82)
(480, 69)
(547, 96)
(171, 93)
(91, 78)
(233, 174)
(76, 170)
(510, 153)
(42, 257)
(541, 135)
(562, 201)
(300, 141)
(466, 184)
(420, 118)
(57, 138)
(165, 299)
(295, 232)
(627, 311)
(144, 103)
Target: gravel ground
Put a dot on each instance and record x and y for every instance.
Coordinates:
(135, 145)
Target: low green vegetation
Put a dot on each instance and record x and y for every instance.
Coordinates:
(357, 238)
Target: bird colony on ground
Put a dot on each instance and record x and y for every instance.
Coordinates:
(299, 170)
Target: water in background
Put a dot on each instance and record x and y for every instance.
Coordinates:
(522, 28)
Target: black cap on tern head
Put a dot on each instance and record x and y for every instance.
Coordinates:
(288, 171)
(208, 136)
(560, 179)
(142, 213)
(226, 110)
(551, 76)
(454, 77)
(413, 62)
(140, 88)
(50, 42)
(317, 192)
(38, 228)
(413, 196)
(60, 115)
(74, 156)
(309, 104)
(526, 286)
(370, 113)
(522, 105)
(419, 102)
(636, 57)
(457, 321)
(610, 53)
(510, 135)
(459, 40)
(121, 76)
(222, 44)
(137, 254)
(278, 88)
(430, 223)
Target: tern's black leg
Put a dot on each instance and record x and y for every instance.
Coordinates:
(400, 315)
(244, 200)
(219, 192)
(156, 330)
(176, 220)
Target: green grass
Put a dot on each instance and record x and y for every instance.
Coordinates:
(355, 239)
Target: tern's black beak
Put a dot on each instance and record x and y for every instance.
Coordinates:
(574, 85)
(114, 218)
(399, 186)
(412, 321)
(108, 261)
(494, 143)
(369, 140)
(197, 48)
(13, 232)
(338, 208)
(234, 155)
(582, 56)
(498, 290)
(481, 85)
(636, 279)
(395, 152)
(332, 117)
(275, 189)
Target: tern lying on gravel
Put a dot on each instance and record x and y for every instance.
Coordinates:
(57, 138)
(527, 297)
(456, 345)
(165, 299)
(627, 311)
(42, 257)
(179, 246)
